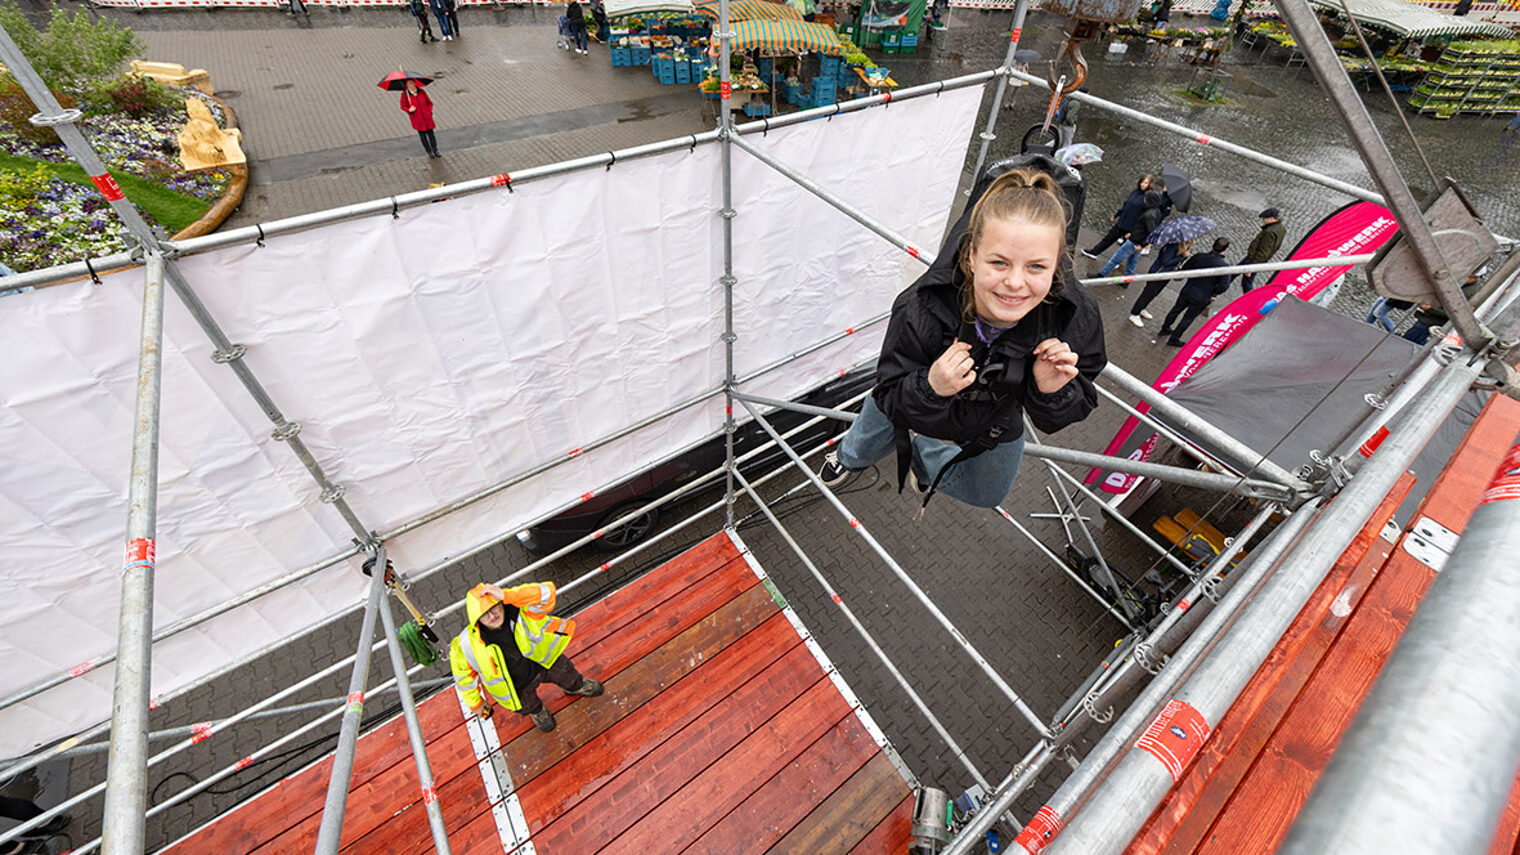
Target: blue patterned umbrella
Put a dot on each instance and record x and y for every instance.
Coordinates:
(1179, 229)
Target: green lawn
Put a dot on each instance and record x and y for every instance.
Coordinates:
(172, 210)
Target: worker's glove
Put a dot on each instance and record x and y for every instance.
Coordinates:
(483, 712)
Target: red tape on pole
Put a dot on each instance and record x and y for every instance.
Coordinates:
(108, 187)
(1175, 736)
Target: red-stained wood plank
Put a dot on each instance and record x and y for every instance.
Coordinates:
(781, 802)
(628, 691)
(732, 778)
(603, 758)
(1505, 835)
(620, 802)
(891, 835)
(1185, 816)
(654, 589)
(1472, 465)
(849, 814)
(1269, 798)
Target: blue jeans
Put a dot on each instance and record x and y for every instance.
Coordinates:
(983, 481)
(1379, 314)
(443, 19)
(1127, 253)
(580, 37)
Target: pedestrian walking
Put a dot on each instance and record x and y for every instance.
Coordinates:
(510, 644)
(1381, 310)
(1196, 292)
(1264, 245)
(445, 20)
(1168, 259)
(1135, 242)
(577, 20)
(999, 330)
(419, 107)
(1123, 219)
(419, 10)
(452, 7)
(599, 17)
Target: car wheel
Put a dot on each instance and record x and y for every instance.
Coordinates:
(630, 532)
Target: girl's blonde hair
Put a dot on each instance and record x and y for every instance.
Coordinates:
(1019, 194)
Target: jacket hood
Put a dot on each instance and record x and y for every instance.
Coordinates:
(479, 600)
(1153, 199)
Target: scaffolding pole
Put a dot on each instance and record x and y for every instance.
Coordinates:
(1159, 427)
(330, 834)
(1122, 733)
(849, 614)
(1237, 454)
(1020, 10)
(1120, 804)
(413, 727)
(127, 786)
(1315, 45)
(1210, 141)
(1120, 615)
(1231, 269)
(1436, 735)
(918, 592)
(1232, 484)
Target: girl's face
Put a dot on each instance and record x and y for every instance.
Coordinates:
(1145, 183)
(1012, 267)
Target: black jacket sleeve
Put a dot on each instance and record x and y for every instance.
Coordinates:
(911, 345)
(1072, 403)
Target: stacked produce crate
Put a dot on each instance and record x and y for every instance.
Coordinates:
(1471, 77)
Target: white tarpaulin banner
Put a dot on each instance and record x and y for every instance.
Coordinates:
(426, 357)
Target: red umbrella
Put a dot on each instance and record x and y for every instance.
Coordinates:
(396, 80)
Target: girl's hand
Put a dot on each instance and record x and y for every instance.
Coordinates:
(954, 370)
(1055, 365)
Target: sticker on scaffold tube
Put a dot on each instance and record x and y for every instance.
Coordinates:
(1040, 830)
(1175, 736)
(1506, 483)
(140, 553)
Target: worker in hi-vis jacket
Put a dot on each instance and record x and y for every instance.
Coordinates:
(511, 644)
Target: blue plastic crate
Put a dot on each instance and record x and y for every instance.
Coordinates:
(640, 56)
(755, 109)
(683, 72)
(622, 56)
(828, 65)
(661, 65)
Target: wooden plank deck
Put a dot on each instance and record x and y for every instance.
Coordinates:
(1255, 774)
(721, 731)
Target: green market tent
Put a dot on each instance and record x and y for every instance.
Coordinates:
(624, 8)
(1411, 20)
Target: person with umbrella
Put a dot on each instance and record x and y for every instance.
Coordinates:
(1264, 245)
(1196, 293)
(416, 104)
(1129, 252)
(1123, 219)
(1175, 237)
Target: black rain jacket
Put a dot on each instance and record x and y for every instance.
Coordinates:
(926, 318)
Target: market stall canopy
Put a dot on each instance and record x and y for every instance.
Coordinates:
(792, 36)
(751, 10)
(624, 8)
(1411, 20)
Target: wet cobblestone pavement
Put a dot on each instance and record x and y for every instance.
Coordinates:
(1033, 624)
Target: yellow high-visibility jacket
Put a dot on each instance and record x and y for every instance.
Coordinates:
(540, 637)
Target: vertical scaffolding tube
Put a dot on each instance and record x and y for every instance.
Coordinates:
(331, 832)
(1436, 736)
(127, 776)
(726, 147)
(1130, 792)
(987, 136)
(414, 729)
(1316, 46)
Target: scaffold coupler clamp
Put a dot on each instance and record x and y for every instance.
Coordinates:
(398, 585)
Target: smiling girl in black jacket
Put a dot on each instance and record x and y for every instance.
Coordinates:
(996, 328)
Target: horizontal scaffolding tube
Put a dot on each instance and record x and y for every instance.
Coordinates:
(1187, 477)
(1269, 267)
(1154, 424)
(1124, 521)
(76, 270)
(897, 569)
(1118, 614)
(1240, 456)
(1120, 805)
(1139, 712)
(795, 407)
(1212, 141)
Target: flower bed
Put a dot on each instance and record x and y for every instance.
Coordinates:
(47, 220)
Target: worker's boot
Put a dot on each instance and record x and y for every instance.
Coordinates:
(590, 688)
(543, 719)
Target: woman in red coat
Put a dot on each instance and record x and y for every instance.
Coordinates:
(419, 107)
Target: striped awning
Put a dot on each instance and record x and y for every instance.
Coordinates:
(792, 36)
(1413, 21)
(750, 10)
(624, 8)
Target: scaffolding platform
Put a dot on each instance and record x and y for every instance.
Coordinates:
(1256, 771)
(723, 729)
